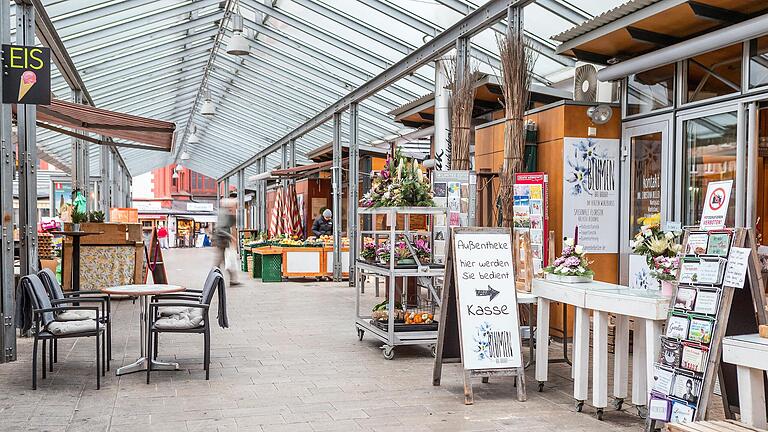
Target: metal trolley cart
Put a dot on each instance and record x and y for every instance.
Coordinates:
(427, 290)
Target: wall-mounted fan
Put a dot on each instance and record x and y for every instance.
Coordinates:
(585, 83)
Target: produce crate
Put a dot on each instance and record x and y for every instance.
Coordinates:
(256, 266)
(272, 268)
(302, 262)
(244, 254)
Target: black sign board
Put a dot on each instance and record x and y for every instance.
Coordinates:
(26, 75)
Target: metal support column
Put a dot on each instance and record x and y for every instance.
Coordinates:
(462, 58)
(26, 116)
(284, 164)
(292, 153)
(352, 203)
(218, 194)
(336, 191)
(105, 191)
(226, 187)
(81, 160)
(117, 197)
(7, 167)
(263, 187)
(128, 189)
(241, 200)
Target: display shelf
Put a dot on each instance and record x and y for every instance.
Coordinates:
(427, 292)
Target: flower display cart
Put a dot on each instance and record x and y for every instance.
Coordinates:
(396, 330)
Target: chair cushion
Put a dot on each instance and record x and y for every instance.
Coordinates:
(188, 319)
(172, 310)
(71, 327)
(76, 315)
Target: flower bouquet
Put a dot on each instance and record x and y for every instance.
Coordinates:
(660, 249)
(401, 183)
(402, 253)
(369, 250)
(571, 266)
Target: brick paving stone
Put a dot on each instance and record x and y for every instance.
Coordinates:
(290, 361)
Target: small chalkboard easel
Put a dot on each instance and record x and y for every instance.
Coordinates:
(492, 294)
(748, 307)
(154, 258)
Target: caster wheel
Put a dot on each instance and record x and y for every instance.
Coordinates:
(485, 380)
(433, 350)
(600, 414)
(360, 334)
(389, 352)
(579, 406)
(618, 404)
(642, 411)
(541, 387)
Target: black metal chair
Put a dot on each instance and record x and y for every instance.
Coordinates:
(58, 296)
(190, 316)
(47, 328)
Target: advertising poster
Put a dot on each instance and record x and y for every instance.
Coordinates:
(531, 210)
(591, 193)
(455, 191)
(716, 205)
(487, 301)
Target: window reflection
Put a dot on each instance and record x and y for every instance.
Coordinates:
(710, 155)
(758, 62)
(715, 73)
(645, 179)
(650, 90)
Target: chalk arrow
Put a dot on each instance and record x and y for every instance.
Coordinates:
(490, 292)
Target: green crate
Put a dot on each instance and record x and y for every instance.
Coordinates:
(244, 259)
(256, 266)
(271, 268)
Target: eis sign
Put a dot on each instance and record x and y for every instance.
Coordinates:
(26, 75)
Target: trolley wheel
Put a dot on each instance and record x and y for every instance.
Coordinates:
(389, 352)
(360, 333)
(579, 406)
(541, 386)
(600, 414)
(433, 350)
(618, 403)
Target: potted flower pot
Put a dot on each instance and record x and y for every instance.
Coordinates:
(567, 279)
(667, 288)
(406, 261)
(76, 227)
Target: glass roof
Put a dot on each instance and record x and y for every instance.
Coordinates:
(149, 57)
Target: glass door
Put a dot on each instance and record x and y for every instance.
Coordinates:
(645, 167)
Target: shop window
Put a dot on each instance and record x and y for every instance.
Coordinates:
(645, 178)
(758, 62)
(715, 73)
(651, 90)
(710, 155)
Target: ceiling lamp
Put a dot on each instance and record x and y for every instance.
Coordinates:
(184, 155)
(193, 138)
(238, 44)
(207, 109)
(175, 175)
(178, 168)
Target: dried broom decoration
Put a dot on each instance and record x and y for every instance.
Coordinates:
(462, 104)
(516, 65)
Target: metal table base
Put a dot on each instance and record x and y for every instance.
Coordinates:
(141, 364)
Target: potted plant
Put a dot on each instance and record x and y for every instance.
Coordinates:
(401, 183)
(78, 217)
(423, 252)
(403, 254)
(96, 216)
(571, 266)
(660, 249)
(382, 253)
(369, 250)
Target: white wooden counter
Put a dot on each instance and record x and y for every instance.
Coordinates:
(750, 355)
(647, 308)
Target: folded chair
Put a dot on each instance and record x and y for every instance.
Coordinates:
(58, 296)
(47, 328)
(190, 316)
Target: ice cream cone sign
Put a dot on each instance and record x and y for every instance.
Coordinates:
(28, 79)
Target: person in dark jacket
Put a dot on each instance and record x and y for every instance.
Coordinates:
(323, 224)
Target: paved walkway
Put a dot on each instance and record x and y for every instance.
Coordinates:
(290, 361)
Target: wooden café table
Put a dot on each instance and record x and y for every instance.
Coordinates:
(750, 355)
(143, 291)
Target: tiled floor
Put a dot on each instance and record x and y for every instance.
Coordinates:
(290, 361)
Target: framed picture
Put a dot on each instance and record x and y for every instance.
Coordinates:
(677, 327)
(706, 301)
(670, 352)
(662, 380)
(697, 244)
(693, 358)
(687, 388)
(700, 330)
(719, 244)
(681, 413)
(685, 298)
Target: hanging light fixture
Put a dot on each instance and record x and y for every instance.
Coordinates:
(184, 155)
(208, 109)
(175, 175)
(193, 138)
(178, 168)
(238, 44)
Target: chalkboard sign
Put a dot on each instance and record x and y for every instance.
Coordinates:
(480, 325)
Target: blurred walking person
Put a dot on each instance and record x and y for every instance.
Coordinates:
(225, 238)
